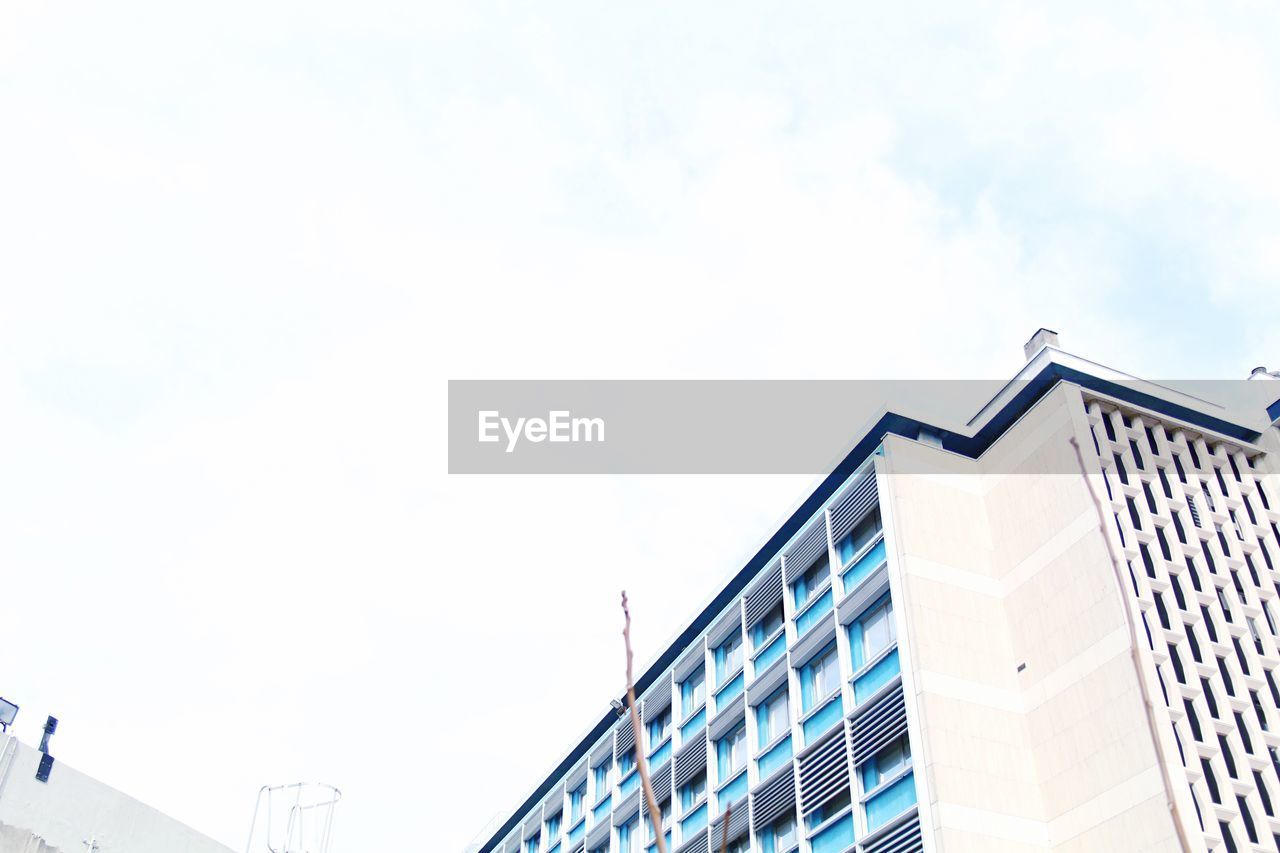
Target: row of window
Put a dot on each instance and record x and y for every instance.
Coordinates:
(1233, 681)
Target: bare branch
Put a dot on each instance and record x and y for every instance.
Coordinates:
(655, 816)
(724, 832)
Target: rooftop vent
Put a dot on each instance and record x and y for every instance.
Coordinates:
(1263, 373)
(1041, 339)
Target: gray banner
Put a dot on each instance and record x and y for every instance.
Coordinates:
(764, 426)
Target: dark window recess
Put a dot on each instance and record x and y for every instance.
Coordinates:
(1133, 514)
(1151, 499)
(1226, 676)
(1195, 646)
(1164, 484)
(1253, 575)
(1133, 579)
(1226, 756)
(1182, 756)
(1228, 837)
(1275, 760)
(1164, 544)
(1262, 495)
(1275, 693)
(1249, 828)
(1266, 555)
(1258, 710)
(1222, 540)
(1151, 644)
(1248, 510)
(1120, 469)
(1195, 512)
(1161, 612)
(1235, 469)
(1209, 698)
(1244, 663)
(1108, 426)
(1177, 665)
(1244, 733)
(1177, 594)
(1119, 528)
(1208, 557)
(1151, 441)
(1222, 603)
(1211, 781)
(1222, 484)
(1164, 691)
(1208, 623)
(1195, 457)
(1235, 580)
(1263, 794)
(1193, 720)
(1137, 455)
(1177, 466)
(1094, 435)
(1195, 576)
(1147, 563)
(1179, 529)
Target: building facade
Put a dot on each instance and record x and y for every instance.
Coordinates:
(1052, 628)
(74, 813)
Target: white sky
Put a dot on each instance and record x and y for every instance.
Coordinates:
(244, 245)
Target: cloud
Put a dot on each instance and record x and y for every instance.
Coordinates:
(243, 251)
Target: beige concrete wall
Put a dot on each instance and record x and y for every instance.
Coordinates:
(1002, 563)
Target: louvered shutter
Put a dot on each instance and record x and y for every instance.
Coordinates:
(853, 506)
(766, 594)
(737, 825)
(904, 838)
(774, 798)
(879, 724)
(824, 772)
(689, 760)
(803, 554)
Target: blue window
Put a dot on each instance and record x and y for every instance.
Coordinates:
(577, 798)
(819, 678)
(553, 828)
(888, 785)
(861, 552)
(731, 753)
(658, 727)
(626, 762)
(627, 836)
(664, 812)
(815, 578)
(780, 836)
(532, 843)
(729, 657)
(829, 830)
(693, 692)
(600, 773)
(768, 625)
(862, 535)
(872, 633)
(693, 792)
(773, 717)
(870, 637)
(895, 756)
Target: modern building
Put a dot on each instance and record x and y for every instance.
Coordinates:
(1051, 628)
(69, 812)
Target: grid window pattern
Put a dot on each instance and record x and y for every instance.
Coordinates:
(1200, 534)
(759, 715)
